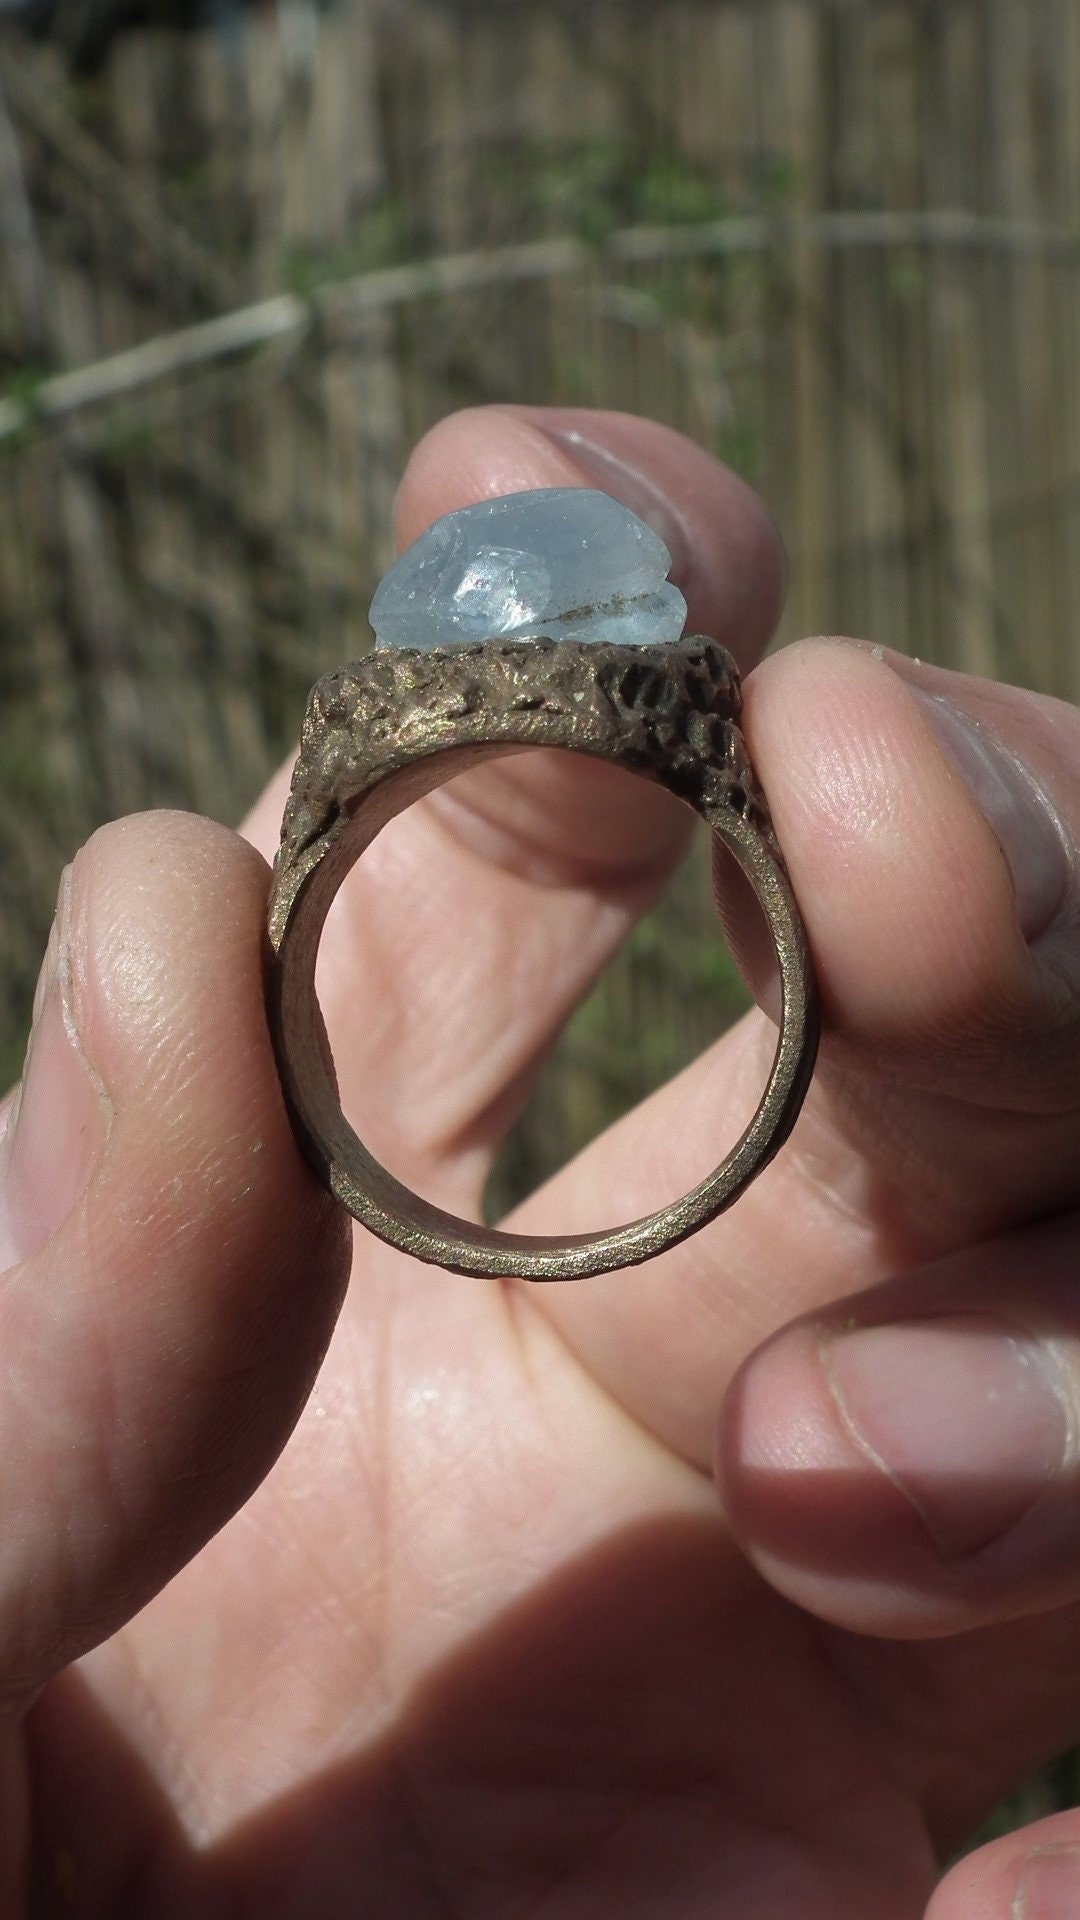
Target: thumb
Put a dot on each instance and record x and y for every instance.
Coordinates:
(173, 1272)
(905, 1462)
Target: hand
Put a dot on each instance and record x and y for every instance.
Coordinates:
(484, 1640)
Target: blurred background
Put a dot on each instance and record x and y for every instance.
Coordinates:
(248, 253)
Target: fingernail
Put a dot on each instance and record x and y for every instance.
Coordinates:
(635, 489)
(1049, 1885)
(1020, 815)
(970, 1420)
(57, 1124)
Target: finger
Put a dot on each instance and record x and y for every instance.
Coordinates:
(974, 868)
(172, 1270)
(940, 897)
(907, 1463)
(478, 919)
(1033, 1874)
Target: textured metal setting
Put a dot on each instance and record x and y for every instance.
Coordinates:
(379, 734)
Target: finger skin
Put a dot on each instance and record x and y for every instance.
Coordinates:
(160, 1344)
(908, 900)
(1033, 1874)
(937, 1538)
(943, 1107)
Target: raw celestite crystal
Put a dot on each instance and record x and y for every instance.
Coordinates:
(564, 562)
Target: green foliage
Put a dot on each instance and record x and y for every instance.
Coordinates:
(381, 237)
(23, 384)
(780, 182)
(594, 187)
(669, 192)
(1053, 1790)
(907, 277)
(738, 445)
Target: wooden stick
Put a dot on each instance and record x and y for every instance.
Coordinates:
(336, 305)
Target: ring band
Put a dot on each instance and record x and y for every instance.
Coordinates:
(379, 735)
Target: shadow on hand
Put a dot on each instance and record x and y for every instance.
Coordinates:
(645, 1727)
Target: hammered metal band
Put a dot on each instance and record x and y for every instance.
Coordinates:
(379, 735)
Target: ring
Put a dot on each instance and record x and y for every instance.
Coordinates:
(550, 669)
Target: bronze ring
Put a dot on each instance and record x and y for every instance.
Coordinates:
(379, 735)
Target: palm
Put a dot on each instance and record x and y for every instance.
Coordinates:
(479, 1645)
(509, 1654)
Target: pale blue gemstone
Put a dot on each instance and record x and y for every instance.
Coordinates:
(568, 563)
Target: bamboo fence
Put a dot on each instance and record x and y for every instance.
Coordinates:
(838, 241)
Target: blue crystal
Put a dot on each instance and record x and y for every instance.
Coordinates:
(567, 563)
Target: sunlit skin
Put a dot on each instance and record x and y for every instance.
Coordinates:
(336, 1585)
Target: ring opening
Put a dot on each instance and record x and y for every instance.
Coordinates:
(369, 1189)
